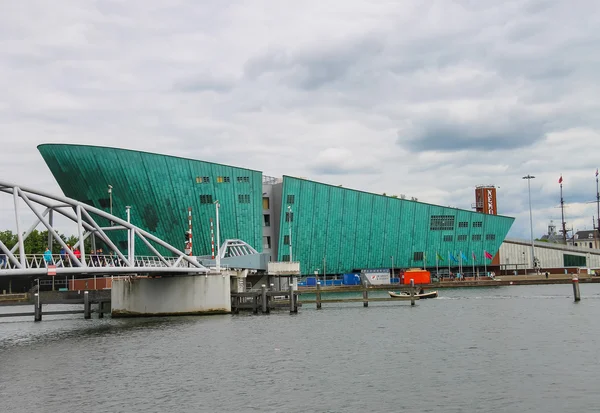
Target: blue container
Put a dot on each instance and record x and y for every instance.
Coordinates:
(311, 281)
(351, 279)
(337, 282)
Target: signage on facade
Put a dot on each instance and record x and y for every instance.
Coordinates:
(490, 202)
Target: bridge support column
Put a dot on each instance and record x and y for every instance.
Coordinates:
(87, 306)
(183, 295)
(101, 309)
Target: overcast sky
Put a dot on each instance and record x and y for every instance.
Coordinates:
(416, 97)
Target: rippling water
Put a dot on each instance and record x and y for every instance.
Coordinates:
(503, 349)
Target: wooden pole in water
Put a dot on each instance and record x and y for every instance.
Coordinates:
(87, 306)
(412, 291)
(365, 295)
(293, 308)
(37, 308)
(265, 304)
(576, 288)
(318, 295)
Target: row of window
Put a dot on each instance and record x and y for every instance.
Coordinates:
(446, 223)
(266, 203)
(221, 179)
(208, 199)
(474, 237)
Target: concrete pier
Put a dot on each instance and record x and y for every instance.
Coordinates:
(178, 295)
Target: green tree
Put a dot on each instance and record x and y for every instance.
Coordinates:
(37, 241)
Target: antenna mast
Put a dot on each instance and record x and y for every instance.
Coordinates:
(562, 211)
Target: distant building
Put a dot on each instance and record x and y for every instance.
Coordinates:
(552, 236)
(587, 238)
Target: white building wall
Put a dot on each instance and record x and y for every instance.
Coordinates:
(273, 192)
(518, 252)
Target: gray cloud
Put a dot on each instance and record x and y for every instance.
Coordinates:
(439, 132)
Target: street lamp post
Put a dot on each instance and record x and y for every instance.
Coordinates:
(529, 178)
(289, 209)
(110, 202)
(392, 258)
(129, 237)
(218, 260)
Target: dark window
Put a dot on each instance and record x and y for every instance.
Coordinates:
(476, 237)
(418, 256)
(89, 202)
(448, 238)
(202, 179)
(104, 202)
(289, 217)
(206, 199)
(591, 245)
(267, 242)
(441, 223)
(574, 260)
(477, 224)
(461, 238)
(463, 224)
(285, 257)
(290, 199)
(267, 220)
(244, 199)
(243, 179)
(123, 245)
(490, 237)
(286, 240)
(221, 179)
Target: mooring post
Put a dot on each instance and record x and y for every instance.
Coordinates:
(236, 305)
(37, 308)
(412, 291)
(576, 288)
(255, 303)
(265, 302)
(291, 295)
(365, 295)
(318, 295)
(87, 307)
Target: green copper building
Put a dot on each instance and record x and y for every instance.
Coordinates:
(160, 189)
(331, 228)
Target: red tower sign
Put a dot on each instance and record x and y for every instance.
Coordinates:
(485, 199)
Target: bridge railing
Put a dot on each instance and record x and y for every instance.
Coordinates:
(59, 260)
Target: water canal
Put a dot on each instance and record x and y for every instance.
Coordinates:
(502, 349)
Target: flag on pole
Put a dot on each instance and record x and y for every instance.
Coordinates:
(596, 172)
(464, 257)
(488, 255)
(452, 257)
(560, 180)
(474, 256)
(438, 257)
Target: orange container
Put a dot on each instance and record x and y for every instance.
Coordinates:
(420, 276)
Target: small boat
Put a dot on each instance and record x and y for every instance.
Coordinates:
(422, 296)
